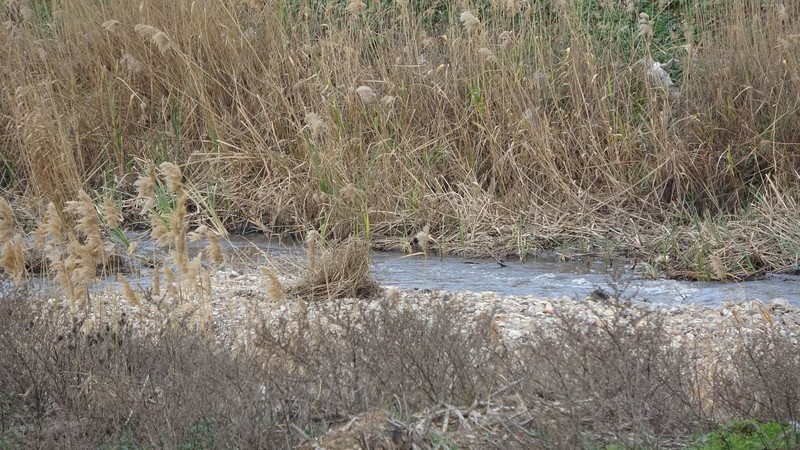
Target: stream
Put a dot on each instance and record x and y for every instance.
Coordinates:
(541, 277)
(544, 277)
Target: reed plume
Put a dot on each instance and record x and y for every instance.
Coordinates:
(131, 63)
(162, 235)
(312, 239)
(388, 100)
(162, 41)
(275, 288)
(13, 259)
(13, 255)
(213, 251)
(112, 26)
(111, 214)
(470, 22)
(366, 94)
(718, 267)
(179, 229)
(130, 295)
(146, 188)
(198, 234)
(487, 55)
(8, 221)
(645, 27)
(316, 123)
(146, 31)
(88, 227)
(172, 176)
(424, 239)
(355, 7)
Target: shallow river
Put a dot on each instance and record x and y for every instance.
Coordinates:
(543, 277)
(540, 277)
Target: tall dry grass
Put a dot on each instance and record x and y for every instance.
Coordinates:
(508, 127)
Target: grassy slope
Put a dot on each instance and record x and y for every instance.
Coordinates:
(536, 128)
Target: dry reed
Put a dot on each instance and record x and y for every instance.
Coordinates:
(470, 22)
(341, 271)
(8, 221)
(275, 288)
(513, 122)
(13, 259)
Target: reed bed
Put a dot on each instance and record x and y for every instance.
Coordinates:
(663, 130)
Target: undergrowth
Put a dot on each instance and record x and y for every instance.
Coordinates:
(387, 373)
(662, 130)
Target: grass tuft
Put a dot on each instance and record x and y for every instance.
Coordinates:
(340, 271)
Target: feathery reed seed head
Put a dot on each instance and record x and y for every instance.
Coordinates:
(113, 217)
(162, 41)
(53, 225)
(366, 94)
(316, 123)
(214, 251)
(132, 64)
(487, 55)
(112, 26)
(355, 7)
(179, 229)
(198, 234)
(275, 288)
(312, 239)
(159, 232)
(146, 187)
(128, 292)
(645, 29)
(424, 239)
(718, 267)
(783, 14)
(388, 100)
(470, 22)
(506, 38)
(7, 221)
(88, 225)
(13, 258)
(146, 31)
(173, 177)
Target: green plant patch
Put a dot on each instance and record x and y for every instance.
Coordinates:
(750, 435)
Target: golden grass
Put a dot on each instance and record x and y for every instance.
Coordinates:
(340, 271)
(8, 221)
(503, 119)
(275, 288)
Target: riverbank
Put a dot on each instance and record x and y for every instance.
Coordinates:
(240, 300)
(464, 368)
(499, 130)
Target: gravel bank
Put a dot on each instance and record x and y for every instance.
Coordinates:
(238, 302)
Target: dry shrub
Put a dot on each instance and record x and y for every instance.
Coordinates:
(340, 270)
(615, 379)
(72, 383)
(622, 378)
(763, 382)
(355, 357)
(382, 373)
(76, 381)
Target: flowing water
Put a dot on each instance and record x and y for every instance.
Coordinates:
(539, 276)
(545, 277)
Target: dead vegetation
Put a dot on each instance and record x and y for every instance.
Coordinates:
(380, 374)
(336, 270)
(485, 131)
(508, 127)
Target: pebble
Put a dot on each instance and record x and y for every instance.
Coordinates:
(517, 317)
